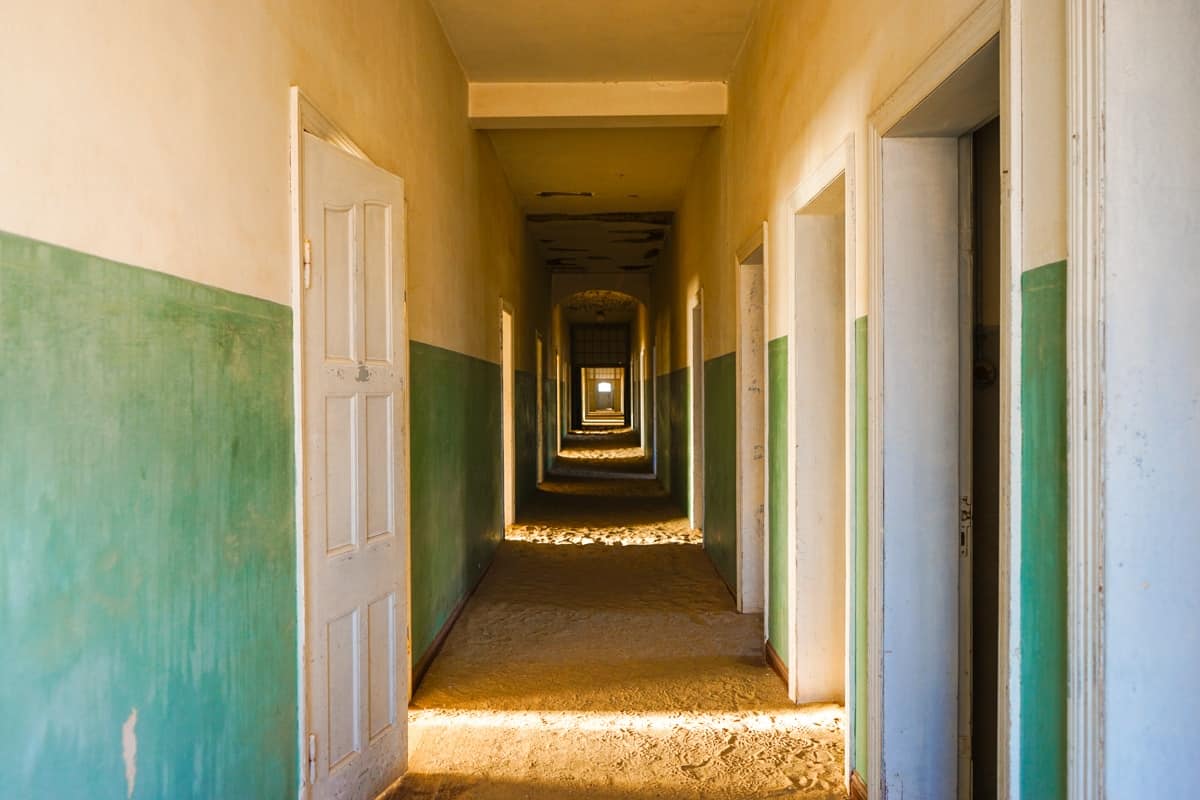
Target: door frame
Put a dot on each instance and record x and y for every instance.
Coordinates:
(1085, 425)
(838, 164)
(695, 327)
(508, 417)
(305, 117)
(989, 19)
(750, 503)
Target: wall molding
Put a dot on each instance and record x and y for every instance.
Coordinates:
(1085, 401)
(1008, 695)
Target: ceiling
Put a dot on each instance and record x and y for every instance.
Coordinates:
(596, 40)
(599, 200)
(624, 169)
(628, 242)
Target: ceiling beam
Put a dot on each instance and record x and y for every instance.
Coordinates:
(623, 104)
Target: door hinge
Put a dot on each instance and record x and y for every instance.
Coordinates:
(307, 263)
(965, 516)
(312, 759)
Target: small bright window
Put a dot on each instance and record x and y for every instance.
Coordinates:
(605, 387)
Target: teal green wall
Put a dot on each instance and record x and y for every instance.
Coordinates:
(549, 433)
(455, 460)
(662, 427)
(861, 559)
(679, 423)
(525, 409)
(148, 532)
(720, 465)
(777, 494)
(1043, 567)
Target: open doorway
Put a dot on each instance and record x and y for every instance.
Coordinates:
(979, 535)
(604, 392)
(938, 301)
(508, 438)
(751, 422)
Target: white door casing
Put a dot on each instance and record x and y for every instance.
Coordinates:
(508, 437)
(696, 344)
(751, 413)
(356, 523)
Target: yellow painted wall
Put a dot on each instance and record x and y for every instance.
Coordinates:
(809, 75)
(158, 136)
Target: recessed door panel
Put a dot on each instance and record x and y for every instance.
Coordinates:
(342, 642)
(338, 278)
(377, 280)
(380, 436)
(381, 664)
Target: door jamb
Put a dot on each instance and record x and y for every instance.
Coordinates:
(839, 163)
(696, 356)
(989, 19)
(305, 117)
(745, 602)
(508, 419)
(1085, 399)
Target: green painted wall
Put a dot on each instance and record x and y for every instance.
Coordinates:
(679, 440)
(148, 532)
(1043, 568)
(861, 559)
(777, 494)
(455, 461)
(549, 434)
(720, 464)
(525, 409)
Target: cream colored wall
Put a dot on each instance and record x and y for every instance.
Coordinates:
(158, 136)
(809, 75)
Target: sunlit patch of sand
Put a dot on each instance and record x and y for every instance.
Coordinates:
(594, 669)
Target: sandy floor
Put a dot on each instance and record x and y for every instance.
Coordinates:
(602, 658)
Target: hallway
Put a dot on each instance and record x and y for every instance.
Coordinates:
(446, 398)
(602, 657)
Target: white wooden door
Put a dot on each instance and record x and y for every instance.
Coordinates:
(356, 517)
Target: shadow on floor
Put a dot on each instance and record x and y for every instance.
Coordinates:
(602, 657)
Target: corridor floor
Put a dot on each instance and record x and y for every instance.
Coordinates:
(602, 658)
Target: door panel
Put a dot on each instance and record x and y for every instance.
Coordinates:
(356, 524)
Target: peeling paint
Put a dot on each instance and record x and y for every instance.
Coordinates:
(129, 751)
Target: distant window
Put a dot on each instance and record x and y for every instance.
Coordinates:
(605, 387)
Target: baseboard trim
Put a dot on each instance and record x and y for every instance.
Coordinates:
(426, 661)
(775, 662)
(858, 787)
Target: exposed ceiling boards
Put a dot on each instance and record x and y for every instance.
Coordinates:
(629, 242)
(596, 40)
(615, 185)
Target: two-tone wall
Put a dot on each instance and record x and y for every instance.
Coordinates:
(808, 78)
(147, 496)
(150, 588)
